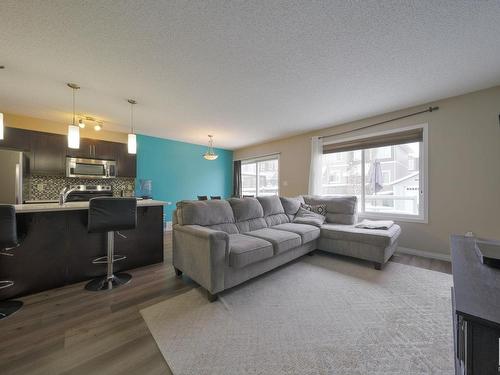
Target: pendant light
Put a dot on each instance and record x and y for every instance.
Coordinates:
(132, 139)
(1, 125)
(73, 129)
(210, 154)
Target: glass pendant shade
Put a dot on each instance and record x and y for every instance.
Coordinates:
(210, 154)
(132, 144)
(73, 136)
(1, 125)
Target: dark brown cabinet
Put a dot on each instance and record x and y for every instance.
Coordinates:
(16, 139)
(126, 163)
(48, 152)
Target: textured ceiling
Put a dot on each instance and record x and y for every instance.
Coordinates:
(245, 71)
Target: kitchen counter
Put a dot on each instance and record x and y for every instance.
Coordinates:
(56, 248)
(71, 206)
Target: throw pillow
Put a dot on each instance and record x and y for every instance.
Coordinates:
(317, 208)
(290, 205)
(308, 217)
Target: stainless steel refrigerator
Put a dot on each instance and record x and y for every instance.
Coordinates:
(13, 170)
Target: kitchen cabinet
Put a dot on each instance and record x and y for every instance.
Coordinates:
(48, 152)
(95, 149)
(16, 139)
(126, 163)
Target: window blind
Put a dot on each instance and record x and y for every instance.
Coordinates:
(408, 136)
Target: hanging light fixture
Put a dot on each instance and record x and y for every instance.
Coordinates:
(210, 154)
(81, 124)
(98, 126)
(132, 139)
(1, 125)
(73, 129)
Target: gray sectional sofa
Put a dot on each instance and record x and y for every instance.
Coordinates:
(222, 243)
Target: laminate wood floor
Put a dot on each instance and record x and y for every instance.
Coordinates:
(72, 331)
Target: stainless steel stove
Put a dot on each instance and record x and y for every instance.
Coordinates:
(84, 193)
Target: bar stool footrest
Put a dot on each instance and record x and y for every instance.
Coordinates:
(104, 259)
(6, 284)
(8, 308)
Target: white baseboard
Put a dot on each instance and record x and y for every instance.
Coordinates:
(424, 254)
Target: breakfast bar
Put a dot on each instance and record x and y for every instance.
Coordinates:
(56, 249)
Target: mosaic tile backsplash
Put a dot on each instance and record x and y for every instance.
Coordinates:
(49, 187)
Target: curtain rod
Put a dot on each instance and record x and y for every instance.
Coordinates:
(430, 109)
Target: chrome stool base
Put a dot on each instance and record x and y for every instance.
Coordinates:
(7, 308)
(105, 283)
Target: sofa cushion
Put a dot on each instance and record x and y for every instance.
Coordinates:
(204, 212)
(271, 205)
(252, 224)
(282, 240)
(276, 219)
(245, 250)
(308, 233)
(339, 210)
(246, 208)
(308, 217)
(291, 205)
(375, 237)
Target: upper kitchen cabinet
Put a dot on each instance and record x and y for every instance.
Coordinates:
(16, 139)
(95, 149)
(126, 163)
(48, 152)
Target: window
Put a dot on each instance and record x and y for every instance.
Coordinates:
(388, 179)
(260, 176)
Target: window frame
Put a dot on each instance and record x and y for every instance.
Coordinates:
(256, 160)
(423, 215)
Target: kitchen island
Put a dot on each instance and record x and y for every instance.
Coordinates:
(56, 249)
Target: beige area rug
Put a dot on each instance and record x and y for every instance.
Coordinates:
(319, 315)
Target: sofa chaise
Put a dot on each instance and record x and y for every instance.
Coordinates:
(222, 243)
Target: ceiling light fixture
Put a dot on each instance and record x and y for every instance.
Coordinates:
(132, 139)
(73, 129)
(210, 154)
(98, 126)
(81, 124)
(1, 125)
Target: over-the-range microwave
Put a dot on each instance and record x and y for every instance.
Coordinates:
(90, 168)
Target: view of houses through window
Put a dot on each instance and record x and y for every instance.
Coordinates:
(385, 179)
(260, 176)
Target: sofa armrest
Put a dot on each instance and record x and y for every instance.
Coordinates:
(201, 253)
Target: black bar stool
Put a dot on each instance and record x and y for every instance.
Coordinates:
(110, 215)
(8, 241)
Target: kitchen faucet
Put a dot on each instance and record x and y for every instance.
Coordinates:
(63, 195)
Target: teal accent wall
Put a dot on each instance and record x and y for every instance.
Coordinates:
(178, 170)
